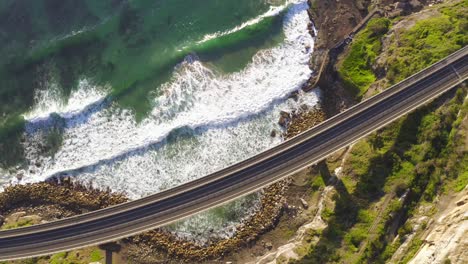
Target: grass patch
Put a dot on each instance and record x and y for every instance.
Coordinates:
(461, 182)
(317, 183)
(18, 224)
(428, 41)
(356, 70)
(413, 154)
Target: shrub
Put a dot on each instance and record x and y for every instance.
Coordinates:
(356, 70)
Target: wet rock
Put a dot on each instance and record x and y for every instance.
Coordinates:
(20, 175)
(312, 33)
(273, 133)
(284, 119)
(285, 114)
(295, 95)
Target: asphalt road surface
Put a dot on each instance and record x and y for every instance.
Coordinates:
(134, 217)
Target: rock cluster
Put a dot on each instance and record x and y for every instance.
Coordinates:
(78, 199)
(74, 197)
(272, 206)
(304, 120)
(247, 232)
(402, 8)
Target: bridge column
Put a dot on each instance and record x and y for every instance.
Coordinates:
(109, 248)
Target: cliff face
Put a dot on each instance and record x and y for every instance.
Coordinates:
(440, 238)
(335, 19)
(445, 240)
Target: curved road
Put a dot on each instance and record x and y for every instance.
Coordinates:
(134, 217)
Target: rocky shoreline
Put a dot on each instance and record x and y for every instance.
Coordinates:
(272, 206)
(68, 198)
(56, 199)
(52, 200)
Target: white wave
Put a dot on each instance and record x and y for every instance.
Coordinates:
(229, 118)
(49, 100)
(273, 11)
(233, 116)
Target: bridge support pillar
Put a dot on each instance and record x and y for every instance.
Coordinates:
(110, 248)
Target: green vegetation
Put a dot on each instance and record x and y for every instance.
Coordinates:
(76, 257)
(421, 155)
(409, 51)
(410, 154)
(420, 167)
(461, 181)
(18, 224)
(317, 183)
(87, 255)
(428, 41)
(356, 70)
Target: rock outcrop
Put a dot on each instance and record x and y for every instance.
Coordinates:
(446, 239)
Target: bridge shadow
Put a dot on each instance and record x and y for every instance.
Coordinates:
(339, 220)
(369, 187)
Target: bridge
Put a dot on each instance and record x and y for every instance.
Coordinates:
(131, 218)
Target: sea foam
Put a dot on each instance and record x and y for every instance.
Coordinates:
(202, 122)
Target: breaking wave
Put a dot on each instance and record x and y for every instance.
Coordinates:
(202, 122)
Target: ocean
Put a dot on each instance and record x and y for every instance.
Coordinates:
(141, 96)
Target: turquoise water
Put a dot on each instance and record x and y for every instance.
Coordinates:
(131, 46)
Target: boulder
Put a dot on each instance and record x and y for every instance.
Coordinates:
(394, 14)
(13, 218)
(285, 114)
(273, 133)
(20, 175)
(268, 245)
(304, 203)
(402, 6)
(283, 121)
(415, 5)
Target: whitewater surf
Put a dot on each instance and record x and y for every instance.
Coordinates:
(201, 119)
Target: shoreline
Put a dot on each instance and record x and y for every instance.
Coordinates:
(263, 220)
